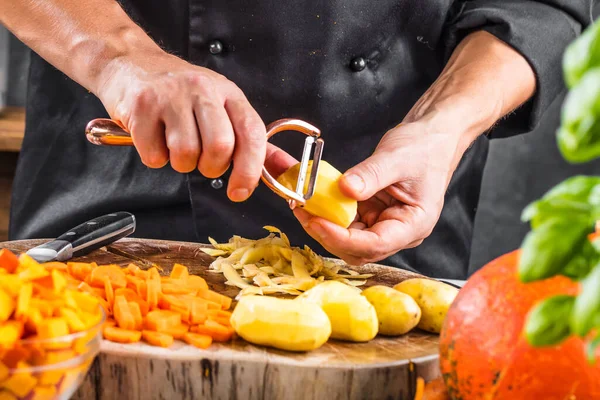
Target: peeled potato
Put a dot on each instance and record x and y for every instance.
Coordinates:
(433, 297)
(281, 323)
(352, 317)
(397, 312)
(328, 201)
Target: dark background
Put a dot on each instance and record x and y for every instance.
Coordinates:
(519, 170)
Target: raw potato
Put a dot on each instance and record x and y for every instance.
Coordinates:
(281, 323)
(352, 317)
(397, 312)
(328, 201)
(433, 297)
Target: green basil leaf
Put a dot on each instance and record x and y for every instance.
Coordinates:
(548, 322)
(579, 134)
(549, 248)
(582, 55)
(582, 262)
(576, 195)
(587, 305)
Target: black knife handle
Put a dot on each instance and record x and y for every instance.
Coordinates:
(99, 232)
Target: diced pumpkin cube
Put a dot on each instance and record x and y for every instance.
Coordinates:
(161, 320)
(8, 260)
(10, 333)
(7, 306)
(6, 395)
(16, 355)
(11, 284)
(53, 328)
(3, 371)
(110, 272)
(59, 356)
(198, 340)
(23, 300)
(59, 282)
(83, 301)
(31, 269)
(73, 320)
(89, 319)
(120, 335)
(20, 384)
(44, 393)
(196, 283)
(45, 307)
(157, 338)
(180, 272)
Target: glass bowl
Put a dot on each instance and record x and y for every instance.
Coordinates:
(48, 369)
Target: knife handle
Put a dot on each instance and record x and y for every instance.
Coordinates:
(99, 232)
(108, 132)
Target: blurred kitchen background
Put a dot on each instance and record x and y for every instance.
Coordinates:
(519, 169)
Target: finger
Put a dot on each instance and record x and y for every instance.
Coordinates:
(183, 140)
(148, 136)
(278, 161)
(376, 173)
(250, 148)
(217, 140)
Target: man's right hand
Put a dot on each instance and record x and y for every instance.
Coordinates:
(189, 116)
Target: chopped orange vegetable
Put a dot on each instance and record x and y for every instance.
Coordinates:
(196, 283)
(20, 384)
(6, 395)
(175, 288)
(157, 338)
(53, 328)
(131, 296)
(198, 311)
(31, 269)
(152, 292)
(134, 308)
(123, 314)
(176, 331)
(11, 284)
(217, 331)
(120, 335)
(44, 393)
(13, 356)
(56, 265)
(110, 272)
(7, 306)
(23, 300)
(198, 340)
(179, 272)
(8, 260)
(3, 371)
(79, 270)
(59, 282)
(73, 320)
(33, 317)
(10, 333)
(83, 301)
(215, 297)
(109, 293)
(161, 320)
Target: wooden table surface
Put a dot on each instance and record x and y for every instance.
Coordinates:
(384, 368)
(12, 129)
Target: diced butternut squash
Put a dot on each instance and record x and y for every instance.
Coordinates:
(73, 320)
(52, 328)
(3, 372)
(157, 338)
(20, 384)
(83, 301)
(8, 260)
(79, 270)
(32, 270)
(6, 395)
(44, 393)
(7, 306)
(59, 282)
(10, 333)
(23, 300)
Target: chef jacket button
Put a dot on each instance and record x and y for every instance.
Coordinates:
(217, 183)
(358, 64)
(215, 47)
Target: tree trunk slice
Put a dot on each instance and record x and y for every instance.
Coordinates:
(384, 368)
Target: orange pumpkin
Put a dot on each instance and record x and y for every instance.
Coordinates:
(484, 354)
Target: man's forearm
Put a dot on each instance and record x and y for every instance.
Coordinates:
(79, 37)
(484, 80)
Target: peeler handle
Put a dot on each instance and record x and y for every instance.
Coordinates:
(108, 132)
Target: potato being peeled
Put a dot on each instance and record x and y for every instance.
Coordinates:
(328, 201)
(397, 312)
(434, 299)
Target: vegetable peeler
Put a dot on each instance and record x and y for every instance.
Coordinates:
(108, 132)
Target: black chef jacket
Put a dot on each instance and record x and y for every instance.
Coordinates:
(351, 67)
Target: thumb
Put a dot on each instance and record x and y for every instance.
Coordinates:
(370, 176)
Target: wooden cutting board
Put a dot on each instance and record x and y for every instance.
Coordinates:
(385, 368)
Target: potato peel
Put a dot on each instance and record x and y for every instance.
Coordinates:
(270, 265)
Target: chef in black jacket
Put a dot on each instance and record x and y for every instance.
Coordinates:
(404, 91)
